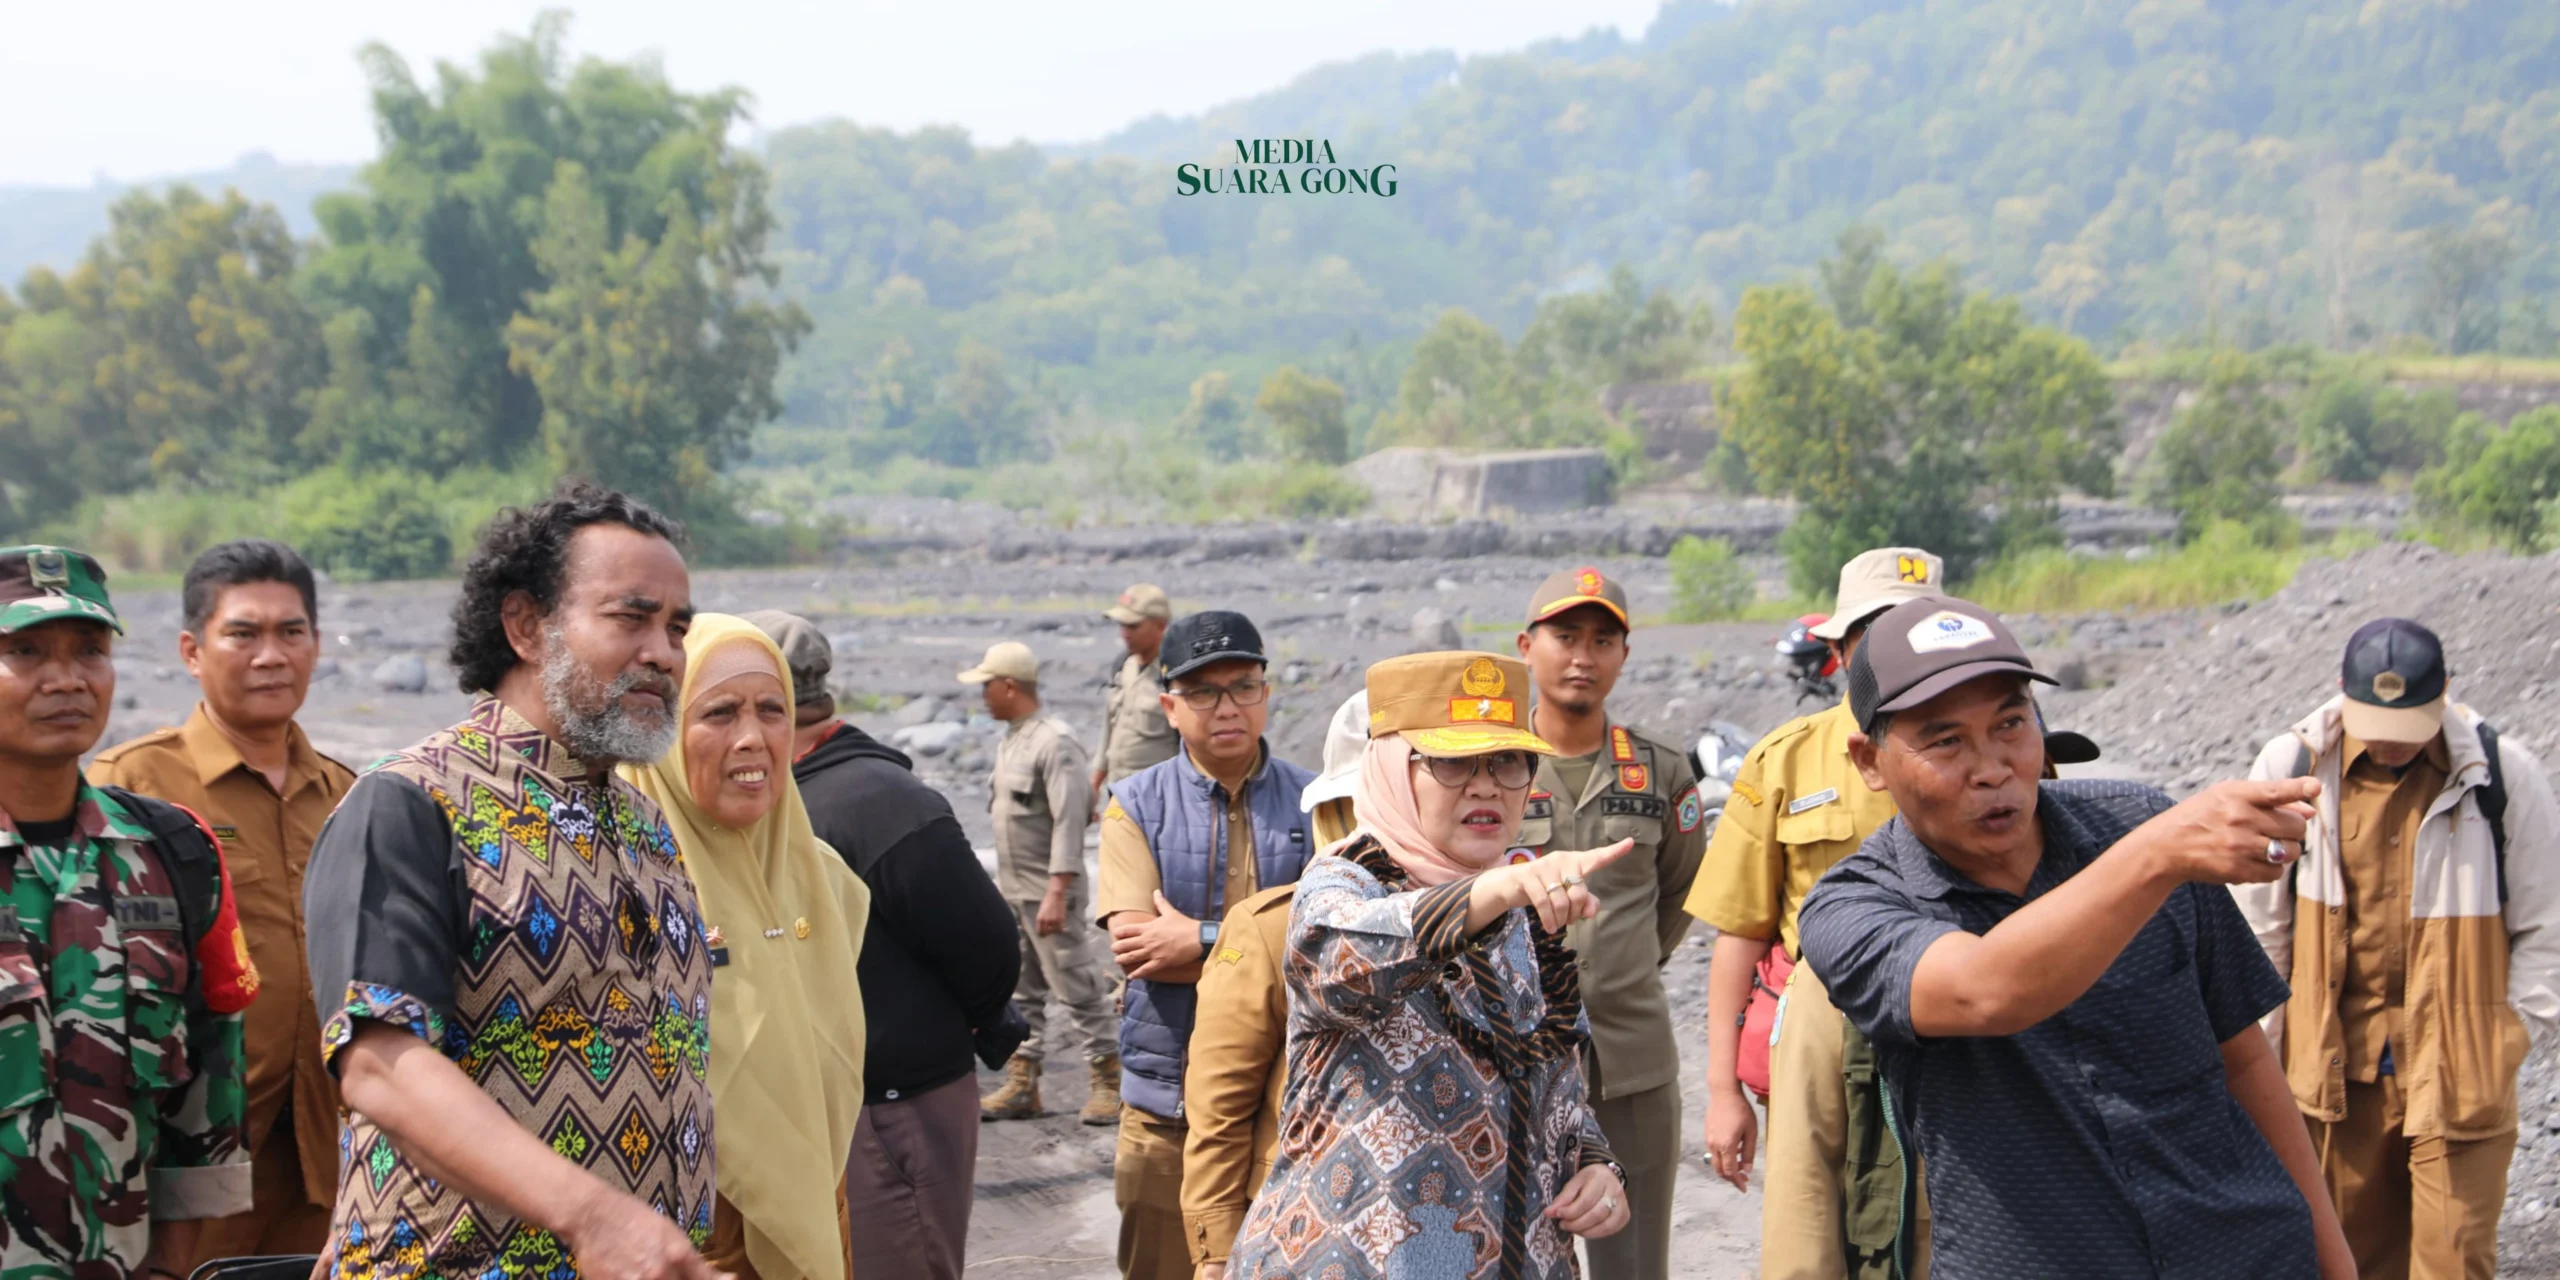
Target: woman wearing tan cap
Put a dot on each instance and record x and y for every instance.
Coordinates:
(1436, 1122)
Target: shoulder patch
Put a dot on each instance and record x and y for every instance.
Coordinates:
(1230, 955)
(1622, 745)
(1113, 809)
(1692, 811)
(1750, 794)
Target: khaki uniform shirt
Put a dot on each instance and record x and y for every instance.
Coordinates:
(1042, 791)
(1231, 1091)
(266, 840)
(1129, 876)
(1640, 788)
(2379, 813)
(1135, 733)
(1797, 807)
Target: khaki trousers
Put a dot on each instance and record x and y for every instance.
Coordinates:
(1063, 964)
(1644, 1133)
(2414, 1208)
(1806, 1145)
(1146, 1182)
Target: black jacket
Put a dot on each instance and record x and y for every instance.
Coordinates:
(943, 952)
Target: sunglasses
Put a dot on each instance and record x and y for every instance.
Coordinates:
(1511, 770)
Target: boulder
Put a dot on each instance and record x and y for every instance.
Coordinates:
(401, 673)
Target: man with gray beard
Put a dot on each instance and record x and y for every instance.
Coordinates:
(513, 981)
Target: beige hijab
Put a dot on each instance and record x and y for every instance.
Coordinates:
(787, 1031)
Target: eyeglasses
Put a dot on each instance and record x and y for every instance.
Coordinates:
(1511, 770)
(1204, 697)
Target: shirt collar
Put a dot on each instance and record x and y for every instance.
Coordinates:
(1209, 781)
(94, 816)
(215, 755)
(2352, 748)
(545, 754)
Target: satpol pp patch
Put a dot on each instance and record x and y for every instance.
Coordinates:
(1947, 630)
(1692, 811)
(1520, 854)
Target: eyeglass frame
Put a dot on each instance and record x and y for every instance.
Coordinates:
(1261, 686)
(1482, 764)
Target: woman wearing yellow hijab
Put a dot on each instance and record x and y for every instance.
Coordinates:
(784, 917)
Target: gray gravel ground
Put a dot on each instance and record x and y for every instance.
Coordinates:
(2176, 699)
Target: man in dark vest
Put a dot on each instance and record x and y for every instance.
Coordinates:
(1182, 841)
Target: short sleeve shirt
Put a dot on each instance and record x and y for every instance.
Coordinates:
(486, 892)
(2103, 1141)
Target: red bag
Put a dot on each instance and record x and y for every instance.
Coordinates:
(1760, 1019)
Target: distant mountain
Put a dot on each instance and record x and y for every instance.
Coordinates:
(52, 226)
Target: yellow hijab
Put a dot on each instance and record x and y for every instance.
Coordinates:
(787, 1030)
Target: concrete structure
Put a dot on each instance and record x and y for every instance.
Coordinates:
(1456, 482)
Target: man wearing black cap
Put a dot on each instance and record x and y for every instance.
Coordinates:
(1182, 841)
(2416, 928)
(2063, 1003)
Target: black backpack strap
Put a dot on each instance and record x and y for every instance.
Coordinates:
(2492, 799)
(194, 861)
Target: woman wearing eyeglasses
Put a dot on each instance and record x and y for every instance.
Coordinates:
(1436, 1123)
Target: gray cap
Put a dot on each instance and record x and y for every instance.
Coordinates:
(805, 649)
(1921, 648)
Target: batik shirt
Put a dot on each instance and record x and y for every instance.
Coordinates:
(484, 892)
(120, 1100)
(1435, 1104)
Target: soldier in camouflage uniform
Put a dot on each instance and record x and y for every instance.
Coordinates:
(122, 968)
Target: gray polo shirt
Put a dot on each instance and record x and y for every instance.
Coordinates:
(2103, 1141)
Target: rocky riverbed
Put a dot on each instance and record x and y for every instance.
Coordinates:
(2175, 699)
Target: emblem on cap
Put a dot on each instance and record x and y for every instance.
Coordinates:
(1947, 629)
(1911, 569)
(49, 568)
(2388, 686)
(1482, 679)
(1484, 711)
(1586, 581)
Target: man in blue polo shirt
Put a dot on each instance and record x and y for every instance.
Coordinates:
(2063, 1000)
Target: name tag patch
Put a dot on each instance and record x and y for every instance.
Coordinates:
(1615, 806)
(1814, 801)
(143, 911)
(225, 832)
(1539, 809)
(719, 957)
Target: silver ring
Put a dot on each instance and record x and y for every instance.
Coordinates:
(1608, 1204)
(2275, 851)
(1570, 878)
(1550, 887)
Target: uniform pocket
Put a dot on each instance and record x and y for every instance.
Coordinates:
(1535, 833)
(1820, 824)
(155, 982)
(26, 1033)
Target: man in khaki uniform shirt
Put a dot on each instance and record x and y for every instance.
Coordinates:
(243, 765)
(1798, 806)
(1608, 783)
(1038, 799)
(1135, 733)
(1240, 805)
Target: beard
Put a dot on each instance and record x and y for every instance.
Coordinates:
(594, 723)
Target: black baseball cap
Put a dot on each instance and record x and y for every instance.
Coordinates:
(1921, 648)
(1195, 640)
(2393, 677)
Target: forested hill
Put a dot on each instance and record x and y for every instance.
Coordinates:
(2333, 171)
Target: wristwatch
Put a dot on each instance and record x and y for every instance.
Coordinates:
(1208, 937)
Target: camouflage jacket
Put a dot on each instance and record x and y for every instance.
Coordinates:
(121, 1099)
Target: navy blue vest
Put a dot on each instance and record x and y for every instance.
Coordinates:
(1183, 813)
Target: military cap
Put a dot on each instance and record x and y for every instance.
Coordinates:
(1573, 588)
(1454, 703)
(1006, 659)
(41, 584)
(1139, 603)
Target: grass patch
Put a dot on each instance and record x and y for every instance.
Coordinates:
(2223, 565)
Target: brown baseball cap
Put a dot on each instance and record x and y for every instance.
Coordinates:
(1921, 648)
(1139, 603)
(1574, 588)
(805, 649)
(1878, 580)
(1454, 703)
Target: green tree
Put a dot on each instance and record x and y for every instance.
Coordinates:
(1907, 430)
(1709, 582)
(1216, 416)
(2217, 461)
(1306, 416)
(2504, 482)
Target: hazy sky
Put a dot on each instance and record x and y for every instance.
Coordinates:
(136, 88)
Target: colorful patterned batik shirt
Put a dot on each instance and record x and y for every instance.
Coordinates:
(1435, 1103)
(120, 1099)
(534, 924)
